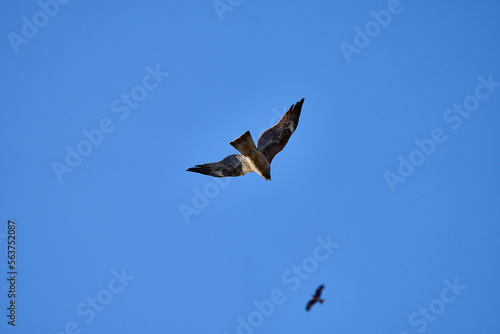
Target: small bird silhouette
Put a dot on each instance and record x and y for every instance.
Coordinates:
(315, 298)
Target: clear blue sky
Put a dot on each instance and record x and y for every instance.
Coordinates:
(387, 193)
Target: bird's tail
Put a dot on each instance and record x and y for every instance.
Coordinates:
(321, 301)
(244, 144)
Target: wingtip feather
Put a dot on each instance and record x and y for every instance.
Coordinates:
(202, 170)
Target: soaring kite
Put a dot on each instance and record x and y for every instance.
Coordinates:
(255, 159)
(315, 298)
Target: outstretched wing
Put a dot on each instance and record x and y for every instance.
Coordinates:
(318, 291)
(232, 165)
(274, 139)
(310, 304)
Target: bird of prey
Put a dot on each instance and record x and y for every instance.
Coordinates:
(315, 298)
(255, 158)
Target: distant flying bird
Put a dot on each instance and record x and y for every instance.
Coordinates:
(315, 298)
(255, 159)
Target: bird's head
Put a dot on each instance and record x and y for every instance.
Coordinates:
(264, 172)
(267, 174)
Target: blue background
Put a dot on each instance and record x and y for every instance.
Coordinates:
(197, 253)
